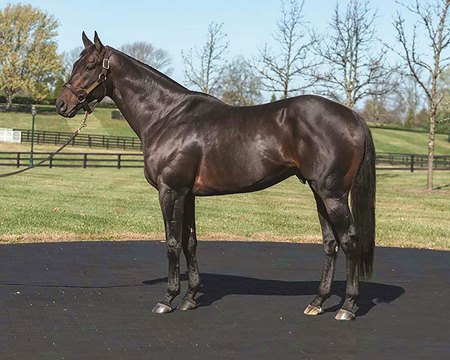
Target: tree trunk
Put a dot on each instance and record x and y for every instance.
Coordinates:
(431, 137)
(286, 88)
(9, 99)
(349, 102)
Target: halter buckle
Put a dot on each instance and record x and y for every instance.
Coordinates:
(105, 64)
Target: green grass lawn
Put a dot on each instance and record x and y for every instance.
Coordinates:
(65, 204)
(398, 141)
(100, 122)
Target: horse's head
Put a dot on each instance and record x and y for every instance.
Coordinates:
(88, 79)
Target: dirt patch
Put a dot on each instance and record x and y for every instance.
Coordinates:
(129, 236)
(37, 238)
(126, 236)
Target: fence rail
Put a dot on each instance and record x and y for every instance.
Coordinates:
(106, 141)
(86, 140)
(410, 162)
(80, 160)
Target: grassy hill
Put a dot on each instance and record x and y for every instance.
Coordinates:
(100, 122)
(400, 141)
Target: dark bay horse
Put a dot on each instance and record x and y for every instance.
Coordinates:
(196, 145)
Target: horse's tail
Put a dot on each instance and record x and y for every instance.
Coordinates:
(363, 206)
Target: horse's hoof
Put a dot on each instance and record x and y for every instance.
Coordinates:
(345, 315)
(313, 310)
(161, 309)
(187, 305)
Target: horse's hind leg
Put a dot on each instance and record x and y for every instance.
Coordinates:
(329, 265)
(189, 242)
(342, 223)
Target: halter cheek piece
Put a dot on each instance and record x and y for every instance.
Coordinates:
(82, 94)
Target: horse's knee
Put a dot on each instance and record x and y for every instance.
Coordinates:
(331, 246)
(173, 248)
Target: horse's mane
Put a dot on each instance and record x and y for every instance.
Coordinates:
(148, 68)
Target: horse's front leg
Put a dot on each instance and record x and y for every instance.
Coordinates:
(189, 243)
(172, 206)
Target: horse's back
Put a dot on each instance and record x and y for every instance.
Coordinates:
(227, 149)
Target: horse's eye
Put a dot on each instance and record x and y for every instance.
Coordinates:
(90, 66)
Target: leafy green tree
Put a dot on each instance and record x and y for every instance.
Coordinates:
(28, 58)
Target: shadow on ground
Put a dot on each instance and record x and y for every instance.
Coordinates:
(217, 286)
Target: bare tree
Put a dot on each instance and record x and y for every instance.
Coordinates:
(69, 58)
(150, 55)
(434, 24)
(204, 67)
(240, 86)
(409, 99)
(281, 69)
(352, 70)
(443, 123)
(376, 109)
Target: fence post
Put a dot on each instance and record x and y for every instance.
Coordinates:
(119, 158)
(412, 162)
(89, 141)
(18, 159)
(50, 162)
(85, 161)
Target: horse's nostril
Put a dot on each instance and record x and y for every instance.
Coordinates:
(62, 105)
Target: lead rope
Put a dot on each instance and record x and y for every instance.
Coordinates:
(74, 135)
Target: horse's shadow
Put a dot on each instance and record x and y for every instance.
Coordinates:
(217, 286)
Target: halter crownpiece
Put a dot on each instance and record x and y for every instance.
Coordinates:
(81, 94)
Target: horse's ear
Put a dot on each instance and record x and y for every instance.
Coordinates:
(98, 44)
(86, 40)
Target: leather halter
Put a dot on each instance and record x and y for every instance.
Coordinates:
(82, 94)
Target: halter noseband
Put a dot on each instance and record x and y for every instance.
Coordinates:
(81, 94)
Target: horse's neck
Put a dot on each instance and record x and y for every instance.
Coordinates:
(142, 95)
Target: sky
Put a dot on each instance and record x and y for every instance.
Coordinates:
(176, 25)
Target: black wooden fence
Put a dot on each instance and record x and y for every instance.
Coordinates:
(384, 161)
(80, 160)
(86, 140)
(410, 162)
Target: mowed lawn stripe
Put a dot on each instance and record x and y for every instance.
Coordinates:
(119, 204)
